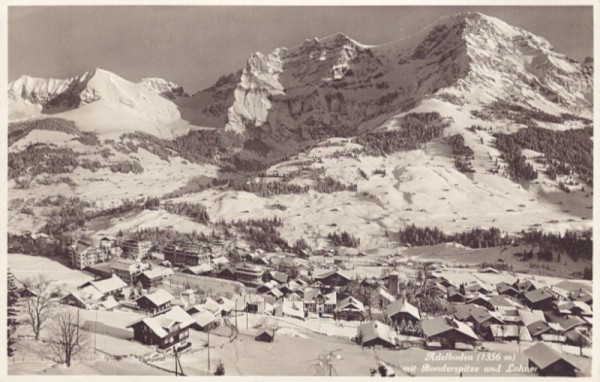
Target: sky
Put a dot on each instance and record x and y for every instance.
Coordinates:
(193, 46)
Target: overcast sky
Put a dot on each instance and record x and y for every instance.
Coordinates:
(193, 46)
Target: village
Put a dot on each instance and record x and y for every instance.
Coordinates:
(162, 310)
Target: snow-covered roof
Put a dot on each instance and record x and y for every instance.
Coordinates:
(158, 272)
(400, 306)
(108, 285)
(376, 329)
(204, 318)
(159, 297)
(161, 323)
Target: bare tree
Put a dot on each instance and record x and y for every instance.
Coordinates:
(38, 302)
(66, 337)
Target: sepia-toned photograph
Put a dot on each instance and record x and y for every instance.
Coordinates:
(338, 190)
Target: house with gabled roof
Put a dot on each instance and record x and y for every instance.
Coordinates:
(381, 298)
(205, 320)
(453, 294)
(350, 309)
(156, 302)
(447, 332)
(87, 297)
(507, 289)
(111, 286)
(541, 299)
(323, 304)
(332, 278)
(166, 331)
(549, 362)
(153, 278)
(376, 333)
(402, 310)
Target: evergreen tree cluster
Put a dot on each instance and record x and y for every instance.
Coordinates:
(328, 185)
(195, 211)
(262, 233)
(576, 245)
(266, 189)
(415, 130)
(565, 151)
(343, 239)
(457, 142)
(475, 238)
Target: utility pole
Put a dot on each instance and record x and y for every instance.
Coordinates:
(95, 329)
(236, 310)
(208, 347)
(247, 312)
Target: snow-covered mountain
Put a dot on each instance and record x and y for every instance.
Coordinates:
(294, 114)
(98, 101)
(336, 85)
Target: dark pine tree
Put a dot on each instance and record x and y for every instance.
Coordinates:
(11, 320)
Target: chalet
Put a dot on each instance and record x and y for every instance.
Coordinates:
(83, 254)
(128, 270)
(454, 295)
(501, 333)
(481, 300)
(156, 302)
(136, 249)
(226, 273)
(502, 303)
(583, 296)
(565, 322)
(376, 333)
(85, 298)
(402, 310)
(319, 303)
(280, 277)
(381, 298)
(541, 299)
(186, 254)
(507, 289)
(153, 278)
(227, 305)
(581, 337)
(524, 286)
(350, 309)
(576, 308)
(476, 289)
(112, 286)
(448, 332)
(265, 336)
(166, 331)
(549, 362)
(538, 328)
(482, 320)
(205, 321)
(332, 279)
(267, 286)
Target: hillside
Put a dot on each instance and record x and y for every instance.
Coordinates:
(470, 123)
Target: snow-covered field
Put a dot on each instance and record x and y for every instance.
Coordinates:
(24, 266)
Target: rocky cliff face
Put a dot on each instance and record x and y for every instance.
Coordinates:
(336, 86)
